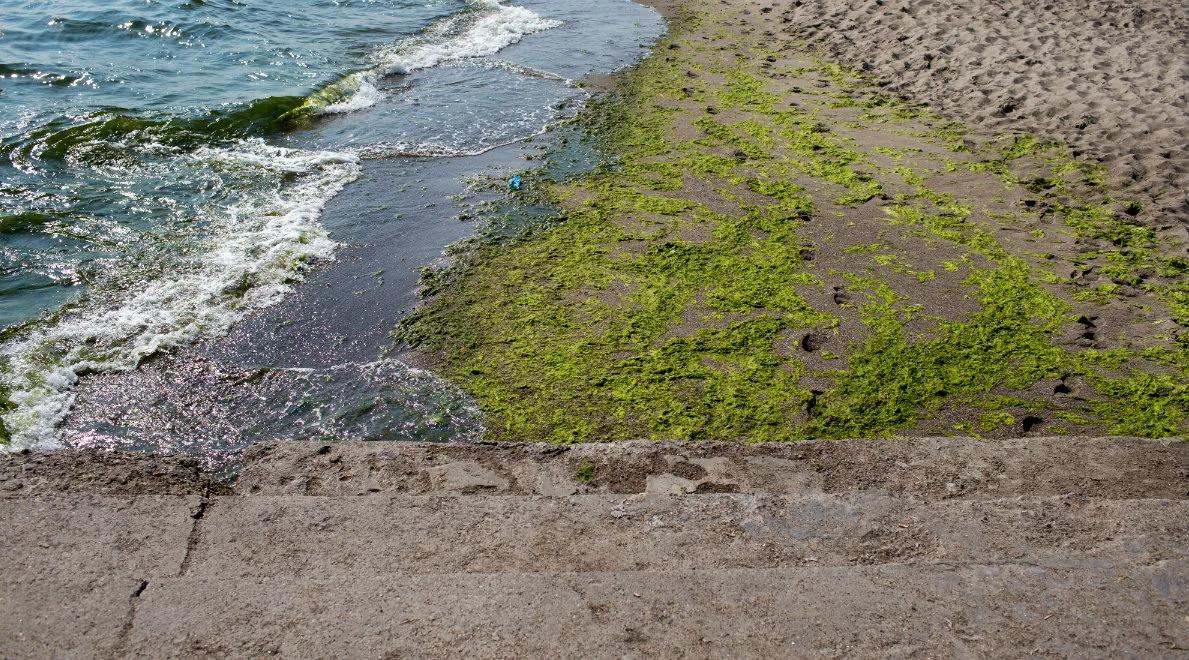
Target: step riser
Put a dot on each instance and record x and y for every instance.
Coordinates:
(319, 537)
(932, 468)
(99, 472)
(927, 468)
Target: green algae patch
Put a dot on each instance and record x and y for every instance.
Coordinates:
(893, 380)
(740, 267)
(1144, 404)
(586, 473)
(564, 337)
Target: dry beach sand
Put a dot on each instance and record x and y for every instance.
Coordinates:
(1111, 78)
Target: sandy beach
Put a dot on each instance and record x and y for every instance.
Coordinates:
(1109, 78)
(789, 247)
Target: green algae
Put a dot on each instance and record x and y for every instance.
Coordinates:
(586, 473)
(642, 310)
(1075, 191)
(1143, 404)
(892, 380)
(667, 386)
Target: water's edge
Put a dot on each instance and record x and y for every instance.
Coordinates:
(308, 361)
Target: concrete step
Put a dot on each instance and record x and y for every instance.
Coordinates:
(932, 468)
(316, 536)
(873, 548)
(308, 536)
(1088, 609)
(24, 474)
(144, 536)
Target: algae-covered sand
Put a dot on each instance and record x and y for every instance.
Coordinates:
(775, 248)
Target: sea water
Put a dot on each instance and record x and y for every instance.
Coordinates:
(247, 176)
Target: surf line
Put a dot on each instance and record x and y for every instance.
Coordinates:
(485, 29)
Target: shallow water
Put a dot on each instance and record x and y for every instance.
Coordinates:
(173, 171)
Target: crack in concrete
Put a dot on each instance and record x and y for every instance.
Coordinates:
(195, 535)
(119, 650)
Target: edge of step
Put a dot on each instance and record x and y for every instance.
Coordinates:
(932, 468)
(104, 472)
(929, 468)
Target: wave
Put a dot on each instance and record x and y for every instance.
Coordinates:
(259, 250)
(51, 78)
(25, 222)
(435, 150)
(485, 35)
(485, 30)
(111, 135)
(417, 150)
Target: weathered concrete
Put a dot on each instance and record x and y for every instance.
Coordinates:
(927, 468)
(1094, 610)
(102, 473)
(297, 536)
(1075, 547)
(65, 617)
(96, 536)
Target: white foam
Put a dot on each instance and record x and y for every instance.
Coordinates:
(487, 35)
(365, 96)
(263, 246)
(486, 31)
(416, 150)
(260, 248)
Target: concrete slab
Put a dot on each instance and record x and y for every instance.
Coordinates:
(24, 474)
(50, 617)
(85, 536)
(885, 611)
(304, 536)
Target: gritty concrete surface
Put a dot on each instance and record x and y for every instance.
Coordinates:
(1071, 547)
(927, 468)
(99, 472)
(65, 617)
(96, 536)
(892, 610)
(296, 536)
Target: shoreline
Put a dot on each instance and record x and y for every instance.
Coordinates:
(402, 215)
(850, 264)
(925, 467)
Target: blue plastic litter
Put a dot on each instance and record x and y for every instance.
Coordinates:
(514, 183)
